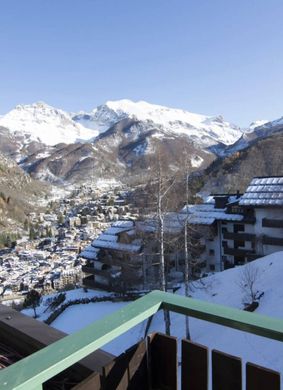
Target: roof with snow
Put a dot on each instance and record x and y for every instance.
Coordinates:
(130, 248)
(264, 191)
(206, 214)
(89, 253)
(109, 240)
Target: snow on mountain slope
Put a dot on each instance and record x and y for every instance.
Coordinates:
(202, 129)
(257, 123)
(221, 288)
(269, 128)
(43, 123)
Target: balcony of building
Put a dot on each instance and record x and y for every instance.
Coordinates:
(150, 364)
(272, 222)
(238, 251)
(239, 236)
(267, 240)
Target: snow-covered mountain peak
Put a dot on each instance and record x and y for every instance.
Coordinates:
(44, 123)
(202, 129)
(158, 114)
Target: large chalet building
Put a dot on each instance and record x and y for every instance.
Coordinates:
(244, 227)
(126, 256)
(232, 229)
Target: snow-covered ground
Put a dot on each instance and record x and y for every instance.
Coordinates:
(71, 295)
(221, 288)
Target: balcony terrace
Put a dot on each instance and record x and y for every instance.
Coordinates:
(267, 240)
(239, 236)
(238, 251)
(272, 223)
(152, 363)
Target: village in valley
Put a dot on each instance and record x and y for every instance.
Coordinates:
(47, 257)
(98, 239)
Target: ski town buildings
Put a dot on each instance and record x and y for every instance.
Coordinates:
(231, 229)
(245, 227)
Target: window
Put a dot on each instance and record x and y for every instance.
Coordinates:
(224, 244)
(239, 244)
(211, 252)
(212, 267)
(239, 260)
(239, 228)
(224, 230)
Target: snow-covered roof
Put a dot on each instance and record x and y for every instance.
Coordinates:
(119, 227)
(108, 240)
(206, 214)
(264, 191)
(173, 223)
(231, 198)
(89, 253)
(108, 237)
(128, 224)
(117, 246)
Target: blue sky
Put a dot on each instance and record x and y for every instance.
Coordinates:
(205, 56)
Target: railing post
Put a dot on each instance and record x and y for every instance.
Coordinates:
(163, 361)
(194, 366)
(226, 371)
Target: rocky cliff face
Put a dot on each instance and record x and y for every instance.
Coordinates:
(19, 194)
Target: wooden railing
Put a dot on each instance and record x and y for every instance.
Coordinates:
(267, 240)
(273, 223)
(30, 373)
(153, 364)
(238, 251)
(239, 236)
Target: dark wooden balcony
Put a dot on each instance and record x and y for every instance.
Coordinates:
(88, 270)
(266, 240)
(89, 282)
(237, 251)
(253, 256)
(93, 271)
(249, 219)
(239, 236)
(152, 363)
(272, 223)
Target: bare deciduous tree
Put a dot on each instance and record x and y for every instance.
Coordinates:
(160, 188)
(248, 282)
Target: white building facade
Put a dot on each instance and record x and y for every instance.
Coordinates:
(243, 227)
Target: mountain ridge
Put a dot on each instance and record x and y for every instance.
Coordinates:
(123, 140)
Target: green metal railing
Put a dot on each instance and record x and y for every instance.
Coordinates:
(31, 372)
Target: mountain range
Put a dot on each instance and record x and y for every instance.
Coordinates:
(119, 138)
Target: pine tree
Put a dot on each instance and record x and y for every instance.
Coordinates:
(32, 299)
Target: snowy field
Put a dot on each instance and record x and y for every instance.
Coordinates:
(221, 288)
